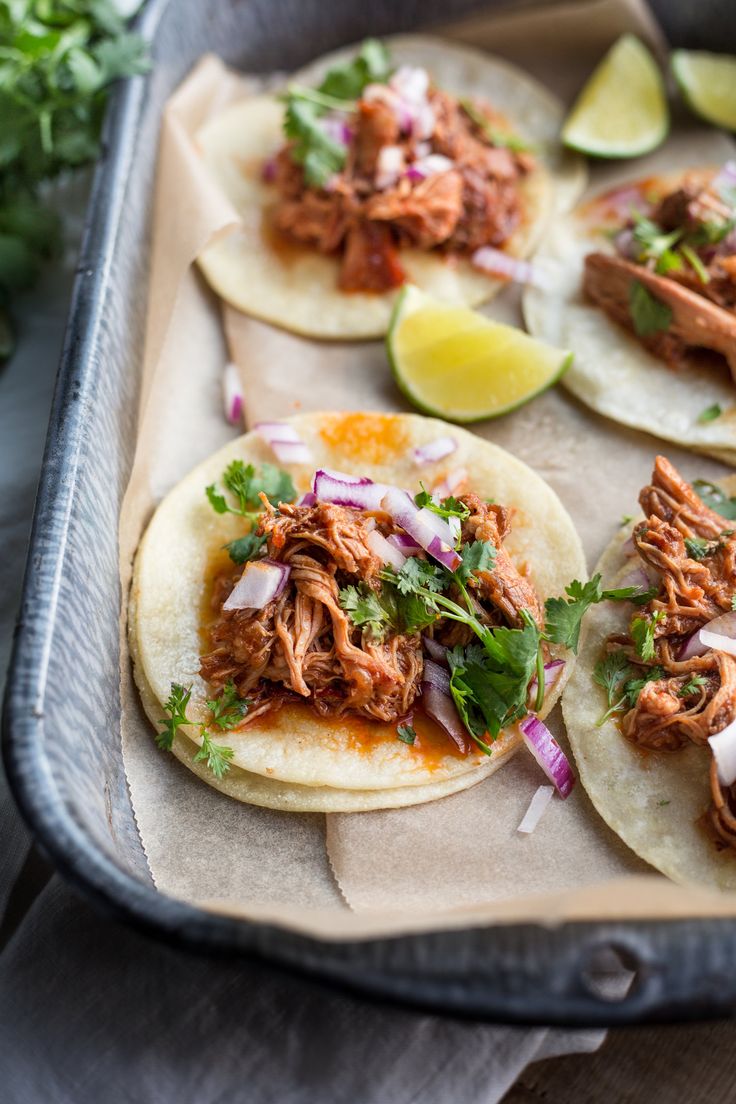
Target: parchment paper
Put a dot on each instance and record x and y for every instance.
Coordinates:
(459, 860)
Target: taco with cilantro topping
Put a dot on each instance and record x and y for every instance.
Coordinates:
(361, 611)
(410, 161)
(643, 288)
(650, 709)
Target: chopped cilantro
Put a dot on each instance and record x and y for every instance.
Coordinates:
(564, 616)
(245, 548)
(653, 242)
(642, 634)
(245, 483)
(312, 146)
(406, 733)
(695, 263)
(365, 609)
(698, 548)
(499, 138)
(625, 519)
(478, 556)
(648, 315)
(710, 413)
(664, 803)
(216, 756)
(610, 673)
(229, 709)
(634, 687)
(416, 574)
(448, 507)
(670, 261)
(693, 686)
(716, 499)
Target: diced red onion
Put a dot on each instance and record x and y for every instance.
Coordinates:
(268, 172)
(430, 165)
(285, 442)
(232, 395)
(537, 805)
(626, 199)
(404, 543)
(349, 490)
(628, 547)
(548, 754)
(387, 553)
(389, 166)
(438, 703)
(723, 746)
(552, 672)
(722, 628)
(434, 450)
(402, 111)
(411, 83)
(309, 498)
(725, 178)
(450, 483)
(336, 128)
(436, 651)
(412, 173)
(430, 531)
(260, 583)
(424, 122)
(625, 244)
(497, 263)
(422, 149)
(718, 641)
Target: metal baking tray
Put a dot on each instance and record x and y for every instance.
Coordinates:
(61, 719)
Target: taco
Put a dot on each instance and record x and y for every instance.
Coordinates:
(651, 708)
(644, 291)
(414, 161)
(326, 642)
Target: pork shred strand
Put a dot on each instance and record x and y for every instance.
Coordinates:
(303, 645)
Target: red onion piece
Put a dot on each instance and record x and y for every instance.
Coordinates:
(450, 484)
(424, 123)
(437, 652)
(349, 490)
(497, 263)
(411, 83)
(336, 128)
(430, 531)
(718, 642)
(434, 450)
(260, 583)
(723, 746)
(430, 165)
(413, 174)
(389, 166)
(537, 805)
(625, 244)
(232, 395)
(286, 443)
(439, 705)
(725, 178)
(386, 552)
(628, 547)
(548, 754)
(552, 672)
(309, 498)
(404, 543)
(723, 627)
(268, 172)
(625, 200)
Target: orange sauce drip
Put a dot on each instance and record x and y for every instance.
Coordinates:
(373, 438)
(281, 245)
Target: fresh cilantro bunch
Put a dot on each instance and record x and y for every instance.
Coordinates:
(57, 60)
(616, 675)
(564, 616)
(228, 711)
(312, 146)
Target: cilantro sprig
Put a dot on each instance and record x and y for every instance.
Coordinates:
(245, 483)
(312, 146)
(716, 499)
(499, 138)
(565, 616)
(58, 58)
(616, 675)
(227, 711)
(648, 314)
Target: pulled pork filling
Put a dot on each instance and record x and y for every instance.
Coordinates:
(666, 700)
(672, 277)
(304, 645)
(447, 186)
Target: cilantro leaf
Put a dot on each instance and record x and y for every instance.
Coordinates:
(564, 617)
(710, 413)
(695, 263)
(610, 673)
(176, 710)
(648, 315)
(716, 499)
(693, 686)
(245, 483)
(406, 733)
(417, 574)
(698, 548)
(372, 65)
(245, 548)
(652, 240)
(634, 687)
(365, 609)
(478, 556)
(642, 633)
(448, 507)
(499, 138)
(229, 709)
(217, 756)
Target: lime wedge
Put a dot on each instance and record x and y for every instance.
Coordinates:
(453, 362)
(622, 110)
(708, 83)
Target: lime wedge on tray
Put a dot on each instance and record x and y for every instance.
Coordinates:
(622, 110)
(708, 83)
(453, 362)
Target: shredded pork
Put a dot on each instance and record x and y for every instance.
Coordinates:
(365, 219)
(695, 698)
(303, 645)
